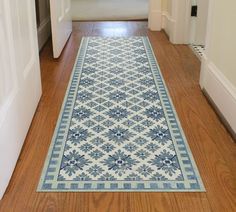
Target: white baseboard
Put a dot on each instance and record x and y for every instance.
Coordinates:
(154, 20)
(168, 24)
(44, 31)
(221, 91)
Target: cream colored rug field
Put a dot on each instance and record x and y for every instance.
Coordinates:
(109, 9)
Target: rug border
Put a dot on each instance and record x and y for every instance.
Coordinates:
(55, 133)
(151, 56)
(194, 165)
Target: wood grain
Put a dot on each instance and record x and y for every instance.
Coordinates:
(212, 147)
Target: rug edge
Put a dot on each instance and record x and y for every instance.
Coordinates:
(195, 167)
(58, 122)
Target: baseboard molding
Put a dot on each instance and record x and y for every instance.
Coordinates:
(220, 115)
(154, 20)
(221, 92)
(168, 25)
(44, 32)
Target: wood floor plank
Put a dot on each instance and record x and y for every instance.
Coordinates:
(150, 202)
(211, 145)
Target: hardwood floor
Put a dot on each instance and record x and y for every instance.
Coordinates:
(211, 145)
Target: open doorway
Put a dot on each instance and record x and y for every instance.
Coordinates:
(43, 21)
(94, 10)
(54, 17)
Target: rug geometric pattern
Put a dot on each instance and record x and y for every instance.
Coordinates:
(118, 130)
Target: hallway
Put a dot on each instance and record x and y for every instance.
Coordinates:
(94, 10)
(211, 145)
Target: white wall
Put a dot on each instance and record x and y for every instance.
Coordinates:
(167, 6)
(167, 18)
(218, 73)
(199, 24)
(155, 15)
(222, 46)
(175, 20)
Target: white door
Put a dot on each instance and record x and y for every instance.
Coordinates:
(20, 83)
(61, 24)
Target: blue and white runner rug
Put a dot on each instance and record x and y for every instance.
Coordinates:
(118, 130)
